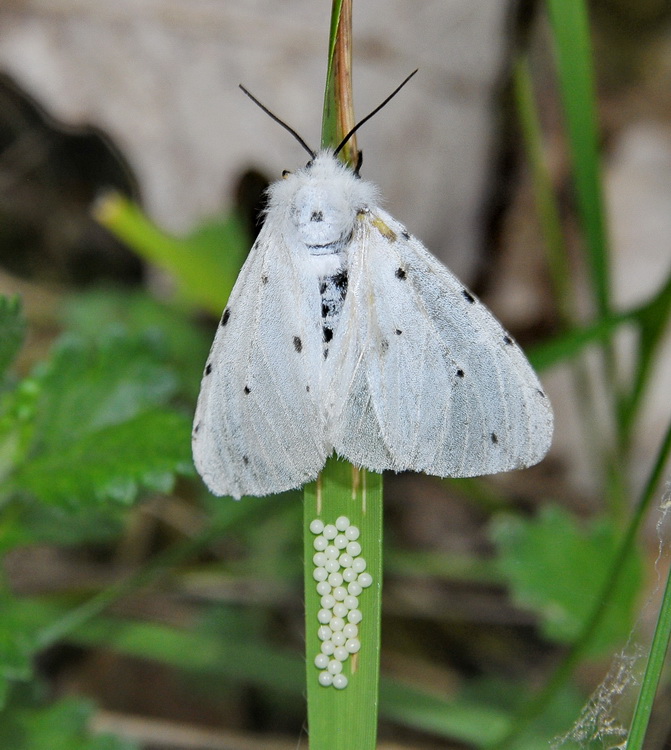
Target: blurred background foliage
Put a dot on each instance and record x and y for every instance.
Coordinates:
(136, 610)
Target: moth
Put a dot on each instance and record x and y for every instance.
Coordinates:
(343, 333)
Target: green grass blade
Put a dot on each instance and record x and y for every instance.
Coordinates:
(572, 343)
(570, 31)
(330, 115)
(467, 722)
(204, 264)
(62, 625)
(256, 663)
(577, 651)
(654, 319)
(653, 673)
(546, 202)
(344, 719)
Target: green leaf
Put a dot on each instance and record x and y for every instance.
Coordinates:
(94, 315)
(12, 330)
(249, 660)
(85, 389)
(653, 318)
(95, 429)
(572, 342)
(573, 52)
(112, 463)
(557, 569)
(509, 695)
(16, 648)
(17, 644)
(60, 726)
(204, 264)
(653, 672)
(34, 522)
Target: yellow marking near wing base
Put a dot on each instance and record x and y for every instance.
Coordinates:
(381, 227)
(384, 230)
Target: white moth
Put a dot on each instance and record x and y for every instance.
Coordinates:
(344, 333)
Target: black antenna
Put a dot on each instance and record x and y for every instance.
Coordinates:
(283, 124)
(374, 112)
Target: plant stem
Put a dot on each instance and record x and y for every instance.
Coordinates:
(653, 672)
(342, 719)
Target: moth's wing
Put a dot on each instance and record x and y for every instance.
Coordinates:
(423, 377)
(258, 427)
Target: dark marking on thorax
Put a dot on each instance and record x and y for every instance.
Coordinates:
(333, 290)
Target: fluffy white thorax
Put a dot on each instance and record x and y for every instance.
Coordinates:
(317, 205)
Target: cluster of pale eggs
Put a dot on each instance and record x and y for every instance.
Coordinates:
(340, 573)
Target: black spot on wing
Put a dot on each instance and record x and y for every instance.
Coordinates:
(468, 296)
(328, 333)
(540, 393)
(245, 460)
(494, 438)
(307, 388)
(398, 332)
(460, 373)
(247, 390)
(405, 235)
(317, 216)
(507, 341)
(264, 278)
(225, 317)
(322, 287)
(325, 309)
(196, 428)
(400, 273)
(384, 345)
(208, 368)
(298, 344)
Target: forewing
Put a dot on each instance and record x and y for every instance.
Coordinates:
(423, 377)
(258, 428)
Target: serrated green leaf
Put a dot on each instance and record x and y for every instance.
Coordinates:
(184, 344)
(88, 388)
(12, 330)
(113, 463)
(557, 569)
